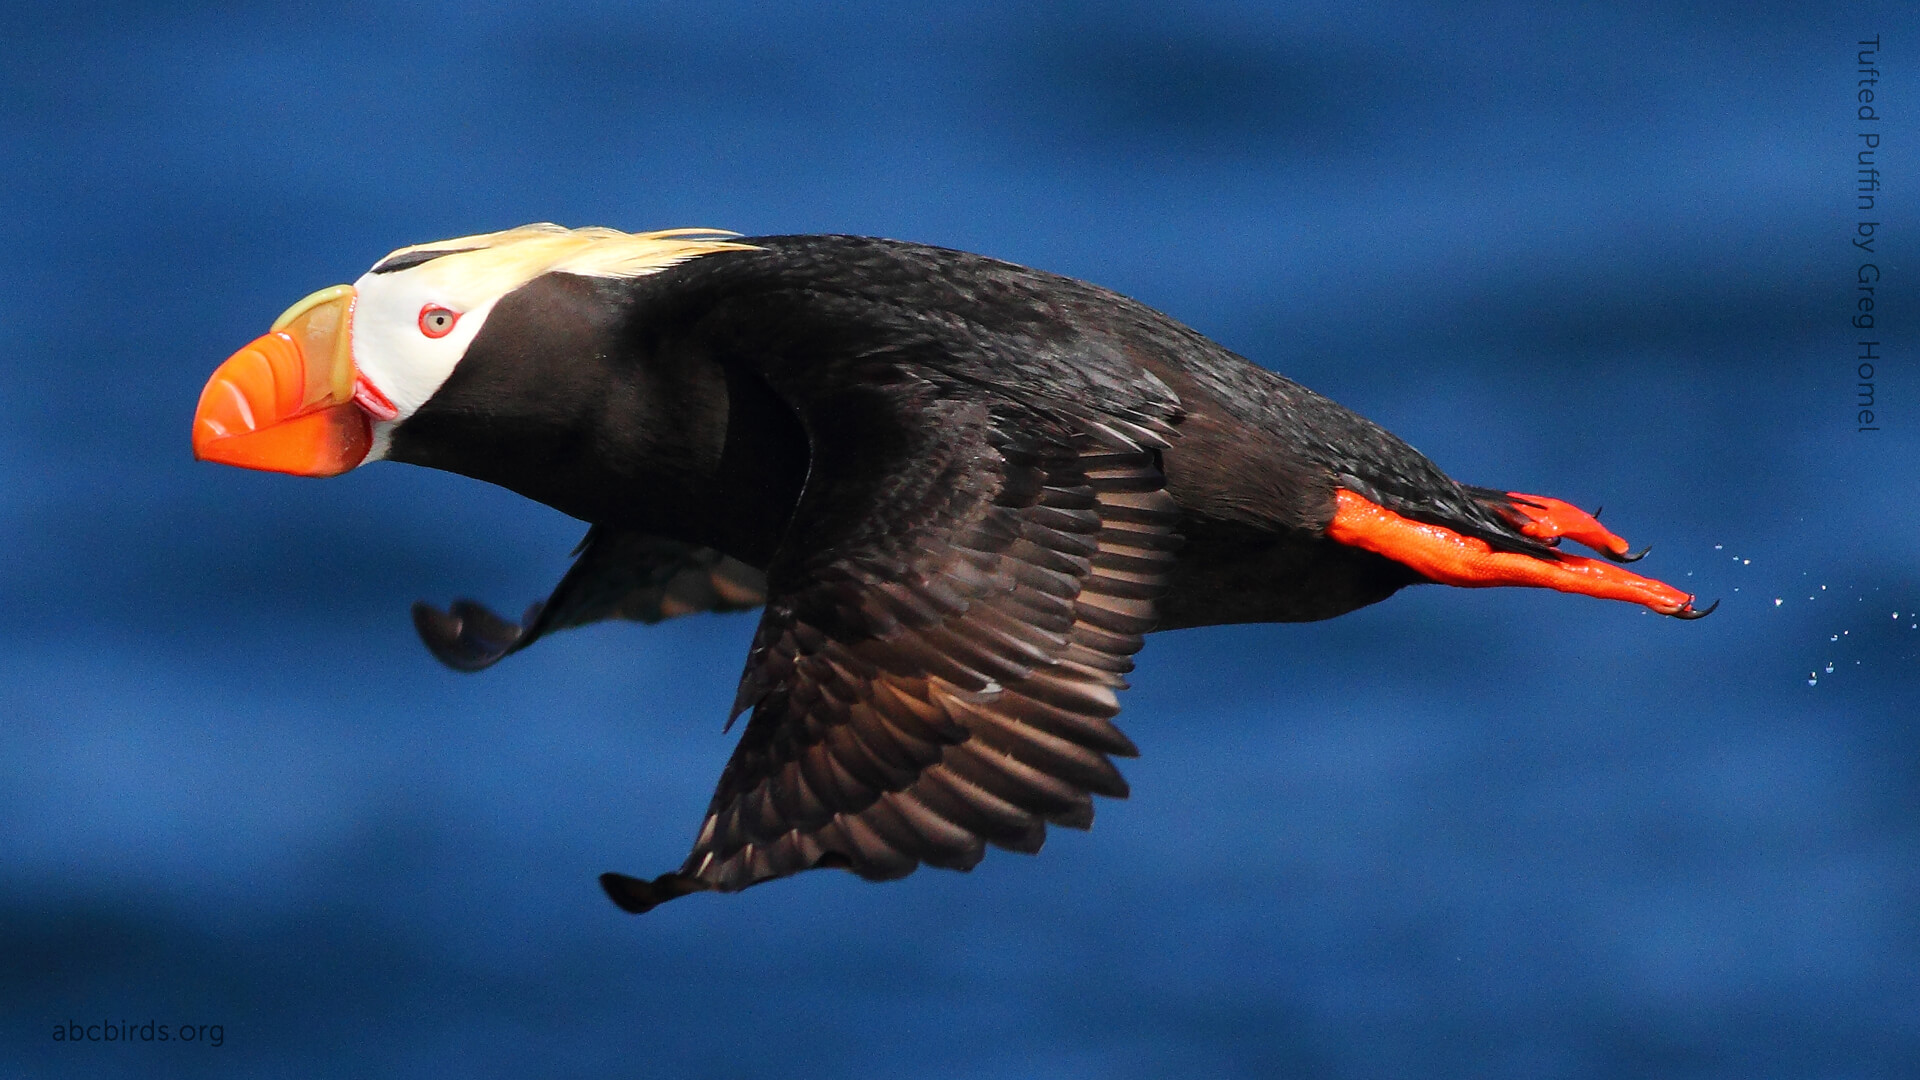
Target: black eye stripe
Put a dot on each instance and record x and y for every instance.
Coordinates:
(409, 259)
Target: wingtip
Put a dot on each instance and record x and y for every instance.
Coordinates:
(467, 637)
(439, 631)
(637, 896)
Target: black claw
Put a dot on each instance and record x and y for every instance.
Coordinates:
(1690, 612)
(1634, 557)
(1596, 513)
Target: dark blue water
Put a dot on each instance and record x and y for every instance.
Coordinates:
(1600, 254)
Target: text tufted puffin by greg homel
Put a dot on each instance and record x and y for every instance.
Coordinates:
(962, 490)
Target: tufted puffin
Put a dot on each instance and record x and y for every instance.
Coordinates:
(961, 490)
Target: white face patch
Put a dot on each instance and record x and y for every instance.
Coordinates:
(402, 346)
(394, 353)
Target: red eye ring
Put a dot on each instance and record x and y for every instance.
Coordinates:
(436, 321)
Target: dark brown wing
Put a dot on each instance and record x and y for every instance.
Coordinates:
(937, 666)
(615, 575)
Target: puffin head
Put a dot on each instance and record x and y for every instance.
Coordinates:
(324, 389)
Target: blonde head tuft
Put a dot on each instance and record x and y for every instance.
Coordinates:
(498, 262)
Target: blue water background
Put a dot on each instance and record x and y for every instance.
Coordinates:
(1594, 251)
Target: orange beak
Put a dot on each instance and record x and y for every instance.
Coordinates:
(285, 402)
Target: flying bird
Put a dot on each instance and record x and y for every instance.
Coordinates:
(961, 490)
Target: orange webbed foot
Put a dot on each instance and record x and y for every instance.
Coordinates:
(1550, 519)
(1450, 558)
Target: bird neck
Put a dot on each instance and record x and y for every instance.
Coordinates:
(562, 399)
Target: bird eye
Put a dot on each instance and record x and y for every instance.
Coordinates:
(436, 321)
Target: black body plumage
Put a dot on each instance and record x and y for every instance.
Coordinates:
(963, 489)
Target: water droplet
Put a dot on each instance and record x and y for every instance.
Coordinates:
(1812, 679)
(1835, 637)
(1777, 601)
(1829, 667)
(1717, 547)
(1746, 562)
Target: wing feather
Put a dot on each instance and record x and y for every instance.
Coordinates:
(967, 701)
(616, 575)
